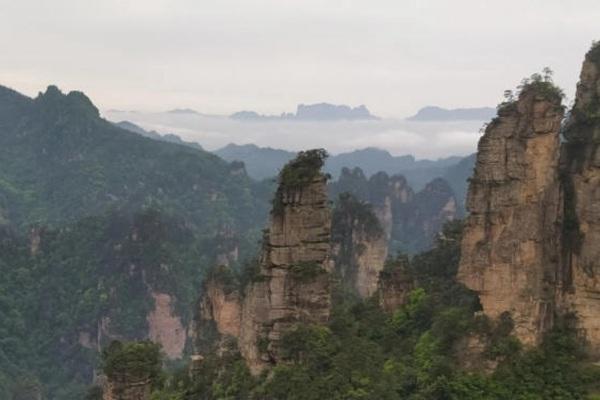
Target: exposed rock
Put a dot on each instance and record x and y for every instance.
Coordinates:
(581, 231)
(165, 327)
(220, 311)
(293, 282)
(359, 245)
(410, 221)
(418, 222)
(395, 284)
(510, 251)
(127, 388)
(35, 240)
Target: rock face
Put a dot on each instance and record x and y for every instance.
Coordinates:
(410, 220)
(127, 389)
(359, 245)
(165, 327)
(509, 249)
(219, 311)
(581, 231)
(394, 286)
(293, 282)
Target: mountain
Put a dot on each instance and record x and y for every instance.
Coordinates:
(184, 111)
(313, 112)
(260, 162)
(266, 162)
(458, 176)
(372, 160)
(504, 305)
(105, 234)
(169, 137)
(530, 248)
(410, 219)
(432, 113)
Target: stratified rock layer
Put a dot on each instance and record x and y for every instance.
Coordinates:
(219, 312)
(165, 327)
(394, 286)
(293, 285)
(127, 388)
(410, 220)
(359, 245)
(510, 250)
(581, 231)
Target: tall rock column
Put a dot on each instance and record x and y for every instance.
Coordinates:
(510, 249)
(581, 227)
(293, 281)
(359, 245)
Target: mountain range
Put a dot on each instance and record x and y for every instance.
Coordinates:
(312, 112)
(434, 113)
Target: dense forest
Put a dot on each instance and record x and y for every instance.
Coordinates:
(415, 352)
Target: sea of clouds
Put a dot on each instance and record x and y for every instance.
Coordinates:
(429, 140)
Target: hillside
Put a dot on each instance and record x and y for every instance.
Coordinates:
(432, 113)
(105, 234)
(266, 162)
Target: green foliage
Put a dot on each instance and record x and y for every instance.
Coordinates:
(540, 84)
(224, 276)
(593, 53)
(134, 360)
(119, 216)
(351, 214)
(303, 169)
(298, 173)
(306, 271)
(365, 353)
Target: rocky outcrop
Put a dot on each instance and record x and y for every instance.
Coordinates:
(127, 388)
(410, 220)
(219, 311)
(509, 253)
(359, 245)
(581, 180)
(418, 222)
(395, 284)
(165, 327)
(292, 284)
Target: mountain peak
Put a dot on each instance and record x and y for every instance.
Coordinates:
(435, 113)
(313, 112)
(77, 102)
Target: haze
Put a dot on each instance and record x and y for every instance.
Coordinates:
(223, 56)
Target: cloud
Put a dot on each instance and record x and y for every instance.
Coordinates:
(221, 56)
(422, 139)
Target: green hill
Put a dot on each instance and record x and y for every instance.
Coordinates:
(96, 221)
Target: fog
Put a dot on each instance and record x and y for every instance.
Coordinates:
(422, 139)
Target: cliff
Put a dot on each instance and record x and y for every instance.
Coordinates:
(359, 245)
(410, 220)
(130, 370)
(394, 285)
(219, 311)
(509, 253)
(292, 284)
(580, 162)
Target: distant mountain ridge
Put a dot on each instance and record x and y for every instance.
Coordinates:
(167, 137)
(434, 113)
(265, 162)
(312, 112)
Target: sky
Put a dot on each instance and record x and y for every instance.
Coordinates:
(222, 56)
(429, 140)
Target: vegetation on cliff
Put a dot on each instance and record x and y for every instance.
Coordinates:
(298, 173)
(95, 220)
(539, 84)
(412, 353)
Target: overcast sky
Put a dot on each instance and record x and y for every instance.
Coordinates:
(269, 55)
